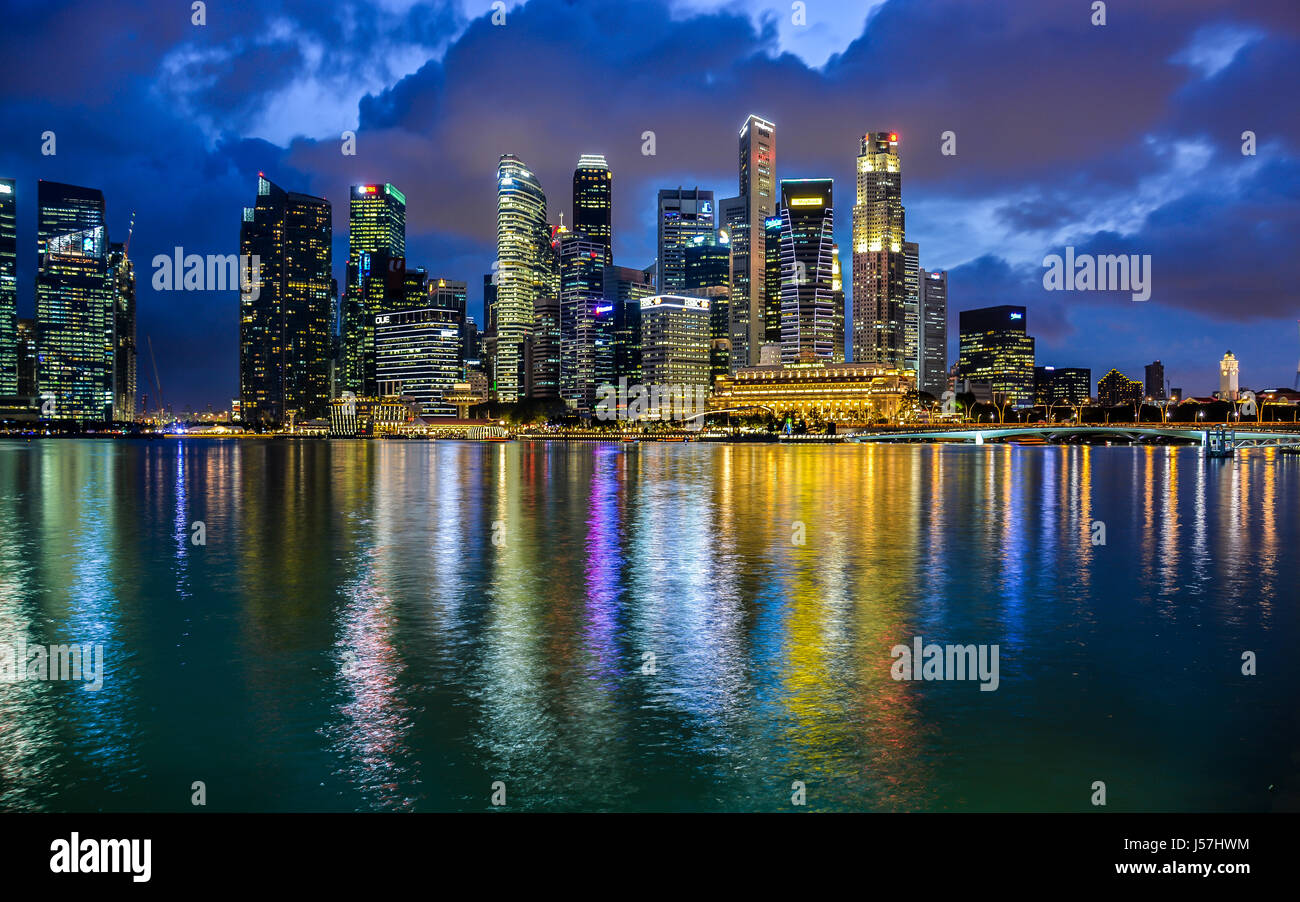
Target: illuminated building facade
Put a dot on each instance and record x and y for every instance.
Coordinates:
(879, 263)
(772, 250)
(593, 202)
(122, 275)
(932, 356)
(743, 217)
(995, 350)
(1155, 381)
(418, 353)
(586, 322)
(375, 279)
(624, 288)
(1114, 389)
(807, 271)
(524, 272)
(353, 417)
(1062, 385)
(837, 303)
(544, 350)
(1228, 377)
(74, 304)
(911, 307)
(8, 287)
(27, 358)
(842, 393)
(675, 340)
(685, 214)
(284, 312)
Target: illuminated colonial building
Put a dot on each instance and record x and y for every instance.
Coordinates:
(879, 262)
(1228, 376)
(523, 274)
(843, 393)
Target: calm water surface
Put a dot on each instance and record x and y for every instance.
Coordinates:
(396, 625)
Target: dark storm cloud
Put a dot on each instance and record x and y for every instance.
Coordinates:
(1122, 136)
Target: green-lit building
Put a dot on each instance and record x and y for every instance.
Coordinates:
(375, 281)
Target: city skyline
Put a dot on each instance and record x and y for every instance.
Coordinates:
(1019, 187)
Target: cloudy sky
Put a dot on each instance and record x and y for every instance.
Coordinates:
(1122, 138)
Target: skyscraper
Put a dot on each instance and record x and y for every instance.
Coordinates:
(772, 252)
(8, 287)
(996, 350)
(911, 307)
(284, 310)
(375, 278)
(593, 202)
(675, 340)
(418, 352)
(743, 218)
(586, 322)
(1114, 389)
(624, 288)
(1155, 381)
(807, 264)
(74, 303)
(879, 264)
(523, 269)
(932, 303)
(122, 276)
(684, 216)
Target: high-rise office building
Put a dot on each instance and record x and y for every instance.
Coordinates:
(375, 278)
(911, 307)
(1228, 377)
(1155, 381)
(708, 275)
(932, 306)
(418, 354)
(772, 266)
(122, 276)
(684, 215)
(1062, 385)
(743, 217)
(74, 303)
(284, 310)
(837, 302)
(675, 340)
(524, 271)
(624, 288)
(995, 350)
(8, 287)
(544, 351)
(879, 262)
(593, 202)
(807, 271)
(27, 358)
(586, 322)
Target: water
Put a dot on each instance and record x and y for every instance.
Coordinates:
(397, 625)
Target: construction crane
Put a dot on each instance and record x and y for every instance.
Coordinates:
(156, 382)
(130, 230)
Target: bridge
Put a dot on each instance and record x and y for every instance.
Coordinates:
(1227, 439)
